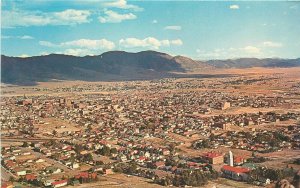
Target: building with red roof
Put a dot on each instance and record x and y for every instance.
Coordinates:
(30, 177)
(213, 157)
(83, 175)
(238, 160)
(235, 173)
(6, 184)
(59, 183)
(159, 164)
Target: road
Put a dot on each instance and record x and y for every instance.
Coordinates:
(49, 160)
(14, 139)
(5, 175)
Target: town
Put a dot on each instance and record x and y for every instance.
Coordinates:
(242, 129)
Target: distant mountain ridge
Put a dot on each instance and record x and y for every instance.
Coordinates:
(113, 65)
(117, 65)
(254, 62)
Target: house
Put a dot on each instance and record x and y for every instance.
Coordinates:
(238, 160)
(122, 158)
(226, 105)
(75, 165)
(213, 157)
(20, 171)
(59, 183)
(30, 177)
(82, 175)
(40, 160)
(97, 169)
(108, 171)
(159, 164)
(235, 173)
(48, 182)
(7, 185)
(166, 152)
(52, 170)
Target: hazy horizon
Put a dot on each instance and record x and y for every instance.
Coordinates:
(94, 55)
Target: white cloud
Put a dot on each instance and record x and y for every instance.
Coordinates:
(177, 42)
(5, 37)
(272, 44)
(114, 17)
(149, 42)
(44, 53)
(23, 55)
(48, 44)
(90, 44)
(78, 52)
(154, 21)
(24, 37)
(122, 4)
(230, 53)
(251, 50)
(102, 44)
(173, 27)
(37, 18)
(234, 6)
(80, 47)
(72, 16)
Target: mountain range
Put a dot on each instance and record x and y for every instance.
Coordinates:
(117, 65)
(254, 62)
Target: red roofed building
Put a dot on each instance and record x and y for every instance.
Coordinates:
(83, 175)
(238, 160)
(59, 183)
(6, 184)
(236, 173)
(30, 177)
(159, 164)
(10, 164)
(86, 175)
(213, 157)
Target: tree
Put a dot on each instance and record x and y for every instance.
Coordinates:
(89, 127)
(99, 162)
(25, 144)
(72, 158)
(11, 179)
(212, 137)
(88, 157)
(105, 151)
(54, 132)
(132, 168)
(114, 150)
(78, 148)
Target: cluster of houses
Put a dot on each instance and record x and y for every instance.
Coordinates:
(257, 140)
(122, 126)
(26, 166)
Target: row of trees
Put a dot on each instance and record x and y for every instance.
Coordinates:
(272, 174)
(107, 151)
(188, 177)
(200, 144)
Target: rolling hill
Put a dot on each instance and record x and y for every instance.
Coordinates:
(113, 65)
(254, 62)
(117, 65)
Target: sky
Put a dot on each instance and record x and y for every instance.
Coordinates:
(198, 29)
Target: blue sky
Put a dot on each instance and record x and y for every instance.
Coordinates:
(197, 29)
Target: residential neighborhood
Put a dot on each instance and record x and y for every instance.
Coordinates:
(164, 132)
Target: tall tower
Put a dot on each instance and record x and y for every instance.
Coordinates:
(230, 159)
